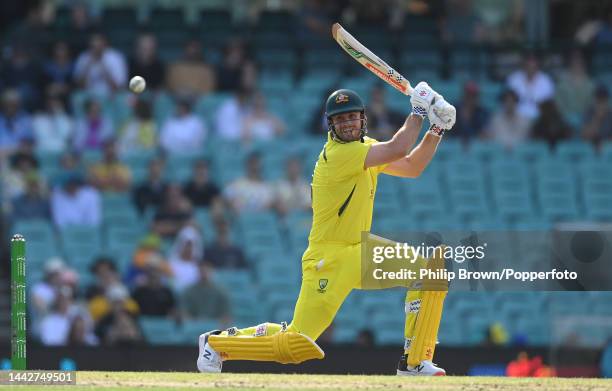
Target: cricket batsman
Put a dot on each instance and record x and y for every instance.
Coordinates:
(343, 190)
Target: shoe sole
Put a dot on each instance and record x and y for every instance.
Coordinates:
(404, 373)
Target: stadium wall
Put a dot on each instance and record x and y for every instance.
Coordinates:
(338, 360)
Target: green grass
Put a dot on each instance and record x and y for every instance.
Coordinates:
(227, 381)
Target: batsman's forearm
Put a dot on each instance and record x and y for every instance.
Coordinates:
(422, 154)
(407, 135)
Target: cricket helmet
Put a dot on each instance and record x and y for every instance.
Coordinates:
(344, 101)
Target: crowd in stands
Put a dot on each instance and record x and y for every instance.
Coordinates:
(171, 273)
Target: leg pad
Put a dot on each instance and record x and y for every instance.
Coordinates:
(285, 347)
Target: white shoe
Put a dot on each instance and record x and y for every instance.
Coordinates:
(425, 368)
(208, 359)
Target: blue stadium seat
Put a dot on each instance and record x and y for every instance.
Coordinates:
(532, 151)
(574, 151)
(425, 197)
(316, 82)
(449, 149)
(163, 108)
(323, 59)
(207, 106)
(606, 151)
(449, 333)
(275, 59)
(41, 244)
(486, 151)
(160, 331)
(233, 279)
(80, 244)
(278, 82)
(191, 329)
(557, 190)
(344, 334)
(118, 236)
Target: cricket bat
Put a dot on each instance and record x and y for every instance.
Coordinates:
(370, 60)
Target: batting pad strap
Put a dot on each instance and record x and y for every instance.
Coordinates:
(283, 347)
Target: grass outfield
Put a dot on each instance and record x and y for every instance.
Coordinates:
(227, 381)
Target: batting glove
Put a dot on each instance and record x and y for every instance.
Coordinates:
(423, 96)
(442, 117)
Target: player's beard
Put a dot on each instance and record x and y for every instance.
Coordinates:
(350, 134)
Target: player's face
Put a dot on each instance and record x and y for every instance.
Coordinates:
(348, 125)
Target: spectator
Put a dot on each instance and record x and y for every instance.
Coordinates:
(15, 124)
(260, 124)
(95, 129)
(531, 85)
(105, 275)
(191, 75)
(222, 253)
(44, 292)
(382, 122)
(232, 113)
(70, 165)
(140, 133)
(81, 332)
(574, 89)
(119, 326)
(201, 190)
(98, 294)
(598, 120)
(462, 23)
(471, 117)
(314, 19)
(22, 163)
(148, 252)
(236, 64)
(251, 192)
(53, 127)
(151, 192)
(74, 203)
(550, 125)
(22, 74)
(55, 326)
(174, 213)
(101, 69)
(184, 256)
(507, 126)
(153, 296)
(205, 300)
(293, 192)
(110, 174)
(501, 21)
(58, 71)
(146, 62)
(34, 203)
(81, 25)
(183, 133)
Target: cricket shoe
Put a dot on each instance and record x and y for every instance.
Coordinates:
(208, 359)
(425, 368)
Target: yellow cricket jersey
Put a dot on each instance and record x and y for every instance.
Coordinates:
(342, 192)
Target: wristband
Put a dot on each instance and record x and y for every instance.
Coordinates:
(436, 130)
